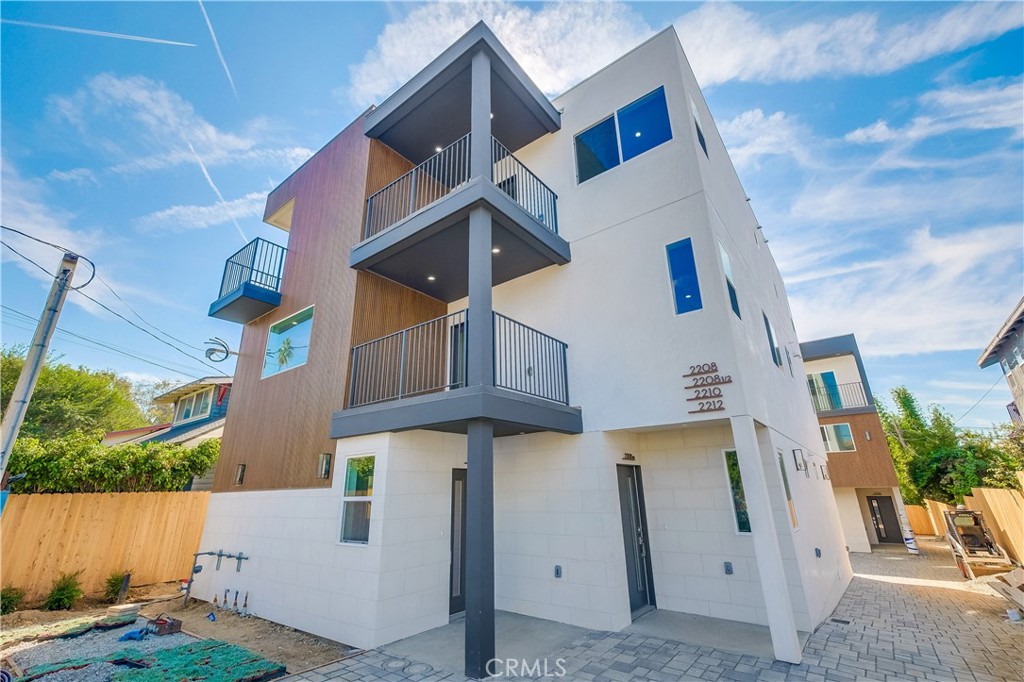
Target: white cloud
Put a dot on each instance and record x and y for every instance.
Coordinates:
(144, 126)
(79, 176)
(879, 131)
(930, 293)
(752, 135)
(557, 45)
(195, 217)
(725, 42)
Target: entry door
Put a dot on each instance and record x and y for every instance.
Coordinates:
(634, 534)
(883, 516)
(457, 574)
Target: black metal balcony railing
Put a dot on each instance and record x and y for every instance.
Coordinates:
(445, 172)
(838, 397)
(433, 179)
(428, 357)
(259, 262)
(431, 357)
(525, 188)
(528, 361)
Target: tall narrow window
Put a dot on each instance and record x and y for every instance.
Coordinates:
(288, 343)
(683, 270)
(789, 361)
(358, 496)
(727, 265)
(837, 438)
(323, 465)
(773, 345)
(739, 500)
(696, 124)
(240, 474)
(785, 486)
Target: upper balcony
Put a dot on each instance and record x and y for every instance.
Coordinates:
(251, 285)
(417, 378)
(838, 397)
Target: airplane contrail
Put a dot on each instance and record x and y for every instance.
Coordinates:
(216, 191)
(216, 46)
(91, 32)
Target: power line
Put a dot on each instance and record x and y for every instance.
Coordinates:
(99, 345)
(998, 379)
(141, 318)
(56, 246)
(19, 253)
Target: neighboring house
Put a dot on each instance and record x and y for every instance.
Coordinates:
(564, 383)
(199, 410)
(1007, 348)
(859, 462)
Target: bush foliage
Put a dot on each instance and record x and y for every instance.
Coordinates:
(77, 463)
(112, 586)
(10, 599)
(65, 592)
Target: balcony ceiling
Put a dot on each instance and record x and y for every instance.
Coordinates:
(433, 109)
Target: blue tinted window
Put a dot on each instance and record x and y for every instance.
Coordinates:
(683, 269)
(773, 345)
(596, 150)
(644, 124)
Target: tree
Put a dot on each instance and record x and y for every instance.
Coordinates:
(935, 460)
(156, 413)
(285, 352)
(68, 399)
(77, 463)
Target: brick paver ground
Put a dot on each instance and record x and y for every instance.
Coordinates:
(902, 618)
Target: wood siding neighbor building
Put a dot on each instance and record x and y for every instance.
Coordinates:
(860, 464)
(551, 369)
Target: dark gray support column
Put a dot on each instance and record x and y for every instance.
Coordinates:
(480, 332)
(480, 117)
(479, 548)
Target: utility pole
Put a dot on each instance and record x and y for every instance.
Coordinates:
(18, 405)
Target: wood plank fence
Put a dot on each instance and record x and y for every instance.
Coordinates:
(920, 521)
(153, 535)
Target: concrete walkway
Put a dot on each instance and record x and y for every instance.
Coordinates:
(903, 618)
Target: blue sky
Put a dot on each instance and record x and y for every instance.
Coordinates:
(881, 145)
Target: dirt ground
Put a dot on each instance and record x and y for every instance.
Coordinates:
(297, 650)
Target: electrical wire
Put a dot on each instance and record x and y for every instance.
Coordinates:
(97, 344)
(19, 253)
(978, 401)
(56, 246)
(142, 319)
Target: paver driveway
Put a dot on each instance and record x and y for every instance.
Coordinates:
(907, 618)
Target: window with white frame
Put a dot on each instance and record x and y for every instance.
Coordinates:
(837, 438)
(323, 465)
(193, 406)
(288, 343)
(739, 499)
(357, 499)
(785, 487)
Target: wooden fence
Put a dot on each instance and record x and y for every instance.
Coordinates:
(153, 535)
(920, 521)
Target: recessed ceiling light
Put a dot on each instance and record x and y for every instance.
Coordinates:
(636, 134)
(492, 114)
(688, 296)
(437, 149)
(431, 278)
(496, 250)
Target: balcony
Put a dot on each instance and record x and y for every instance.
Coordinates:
(416, 378)
(838, 397)
(416, 227)
(251, 285)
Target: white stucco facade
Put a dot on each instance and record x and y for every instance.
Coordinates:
(556, 496)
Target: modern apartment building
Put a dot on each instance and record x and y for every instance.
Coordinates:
(521, 354)
(1007, 348)
(860, 465)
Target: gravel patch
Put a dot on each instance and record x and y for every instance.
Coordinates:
(97, 672)
(92, 644)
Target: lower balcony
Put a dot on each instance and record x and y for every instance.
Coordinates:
(251, 285)
(416, 379)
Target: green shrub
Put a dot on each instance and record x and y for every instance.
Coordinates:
(10, 599)
(112, 588)
(65, 592)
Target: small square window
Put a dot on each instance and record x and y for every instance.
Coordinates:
(596, 150)
(323, 466)
(239, 474)
(288, 343)
(644, 124)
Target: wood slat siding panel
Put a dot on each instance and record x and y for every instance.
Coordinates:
(920, 521)
(278, 426)
(870, 465)
(153, 535)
